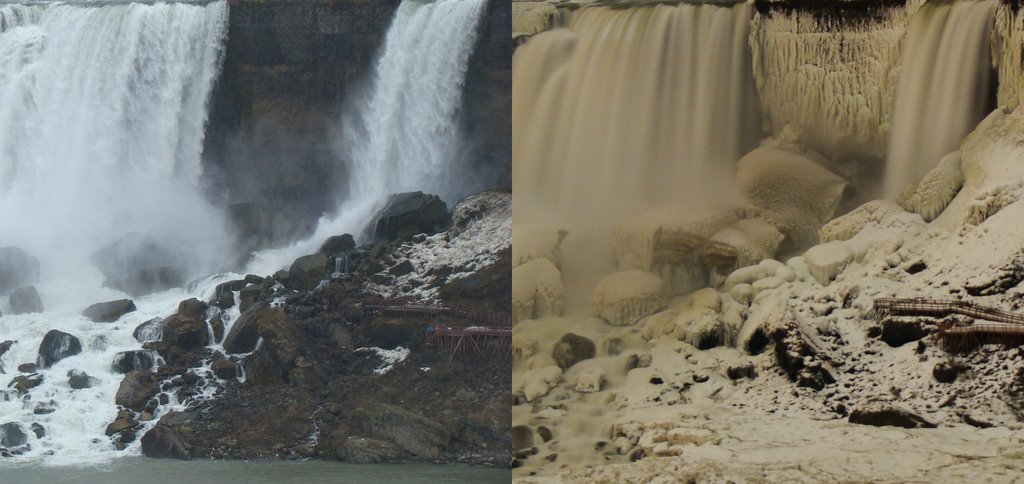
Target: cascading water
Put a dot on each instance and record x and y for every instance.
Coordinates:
(404, 135)
(103, 109)
(943, 88)
(630, 109)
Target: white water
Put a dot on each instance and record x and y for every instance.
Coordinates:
(102, 118)
(944, 83)
(404, 135)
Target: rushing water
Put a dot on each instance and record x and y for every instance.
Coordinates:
(132, 470)
(631, 108)
(404, 134)
(943, 88)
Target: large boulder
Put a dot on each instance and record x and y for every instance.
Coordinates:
(885, 414)
(136, 389)
(307, 271)
(624, 297)
(78, 380)
(572, 349)
(151, 330)
(17, 268)
(415, 434)
(110, 311)
(129, 361)
(12, 435)
(139, 264)
(187, 329)
(245, 331)
(25, 300)
(162, 442)
(410, 213)
(282, 344)
(56, 346)
(337, 244)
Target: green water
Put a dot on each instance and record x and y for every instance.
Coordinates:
(130, 470)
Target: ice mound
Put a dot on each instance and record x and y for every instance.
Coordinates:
(536, 290)
(534, 241)
(624, 297)
(930, 196)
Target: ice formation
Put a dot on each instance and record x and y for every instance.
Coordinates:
(624, 297)
(532, 241)
(530, 18)
(536, 290)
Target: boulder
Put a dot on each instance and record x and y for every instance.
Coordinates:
(737, 371)
(415, 434)
(885, 414)
(152, 330)
(224, 295)
(56, 346)
(571, 349)
(6, 346)
(27, 367)
(410, 213)
(225, 369)
(337, 244)
(162, 442)
(110, 311)
(12, 435)
(139, 264)
(244, 333)
(187, 329)
(537, 290)
(24, 383)
(589, 380)
(17, 268)
(136, 389)
(538, 382)
(827, 260)
(124, 421)
(307, 271)
(25, 300)
(522, 437)
(129, 361)
(80, 379)
(624, 297)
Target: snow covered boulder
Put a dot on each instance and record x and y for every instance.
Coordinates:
(930, 196)
(571, 349)
(533, 241)
(880, 214)
(589, 380)
(624, 297)
(538, 382)
(742, 244)
(700, 322)
(800, 195)
(827, 260)
(536, 290)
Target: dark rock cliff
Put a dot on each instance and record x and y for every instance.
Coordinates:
(288, 68)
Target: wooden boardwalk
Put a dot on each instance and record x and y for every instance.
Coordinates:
(987, 324)
(465, 331)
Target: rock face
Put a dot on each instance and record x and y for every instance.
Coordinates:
(259, 226)
(139, 264)
(17, 268)
(129, 361)
(410, 213)
(26, 300)
(245, 331)
(110, 311)
(337, 244)
(413, 433)
(56, 346)
(884, 414)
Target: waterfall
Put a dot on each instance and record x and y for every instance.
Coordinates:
(403, 134)
(943, 88)
(103, 109)
(631, 108)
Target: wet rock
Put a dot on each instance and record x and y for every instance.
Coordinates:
(244, 332)
(337, 244)
(12, 435)
(6, 346)
(186, 329)
(572, 349)
(110, 311)
(224, 293)
(27, 367)
(224, 369)
(135, 390)
(56, 346)
(897, 332)
(307, 271)
(139, 264)
(125, 420)
(884, 414)
(410, 213)
(128, 361)
(38, 429)
(80, 379)
(401, 269)
(946, 372)
(45, 408)
(545, 433)
(217, 325)
(152, 330)
(522, 437)
(24, 383)
(162, 442)
(25, 300)
(17, 268)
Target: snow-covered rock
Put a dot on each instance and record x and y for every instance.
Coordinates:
(536, 290)
(535, 241)
(827, 260)
(930, 196)
(624, 297)
(589, 380)
(538, 382)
